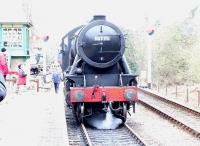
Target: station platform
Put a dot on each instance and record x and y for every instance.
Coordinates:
(33, 119)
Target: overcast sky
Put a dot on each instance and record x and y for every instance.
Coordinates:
(56, 17)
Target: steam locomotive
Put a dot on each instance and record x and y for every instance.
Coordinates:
(97, 76)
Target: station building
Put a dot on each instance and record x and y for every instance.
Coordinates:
(14, 36)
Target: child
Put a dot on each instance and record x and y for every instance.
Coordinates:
(22, 76)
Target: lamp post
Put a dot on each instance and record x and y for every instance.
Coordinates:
(45, 39)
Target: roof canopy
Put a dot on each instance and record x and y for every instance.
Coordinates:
(28, 24)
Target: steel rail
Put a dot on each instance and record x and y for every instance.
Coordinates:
(170, 102)
(135, 135)
(87, 138)
(170, 118)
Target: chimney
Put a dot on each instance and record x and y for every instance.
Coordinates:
(99, 17)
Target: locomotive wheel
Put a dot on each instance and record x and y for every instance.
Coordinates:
(124, 112)
(80, 112)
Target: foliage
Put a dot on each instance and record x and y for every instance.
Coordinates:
(173, 55)
(175, 52)
(133, 49)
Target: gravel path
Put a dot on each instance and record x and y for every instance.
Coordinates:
(157, 131)
(187, 118)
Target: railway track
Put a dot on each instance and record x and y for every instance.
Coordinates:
(120, 136)
(184, 117)
(79, 134)
(75, 136)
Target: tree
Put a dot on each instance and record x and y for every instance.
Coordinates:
(173, 53)
(134, 50)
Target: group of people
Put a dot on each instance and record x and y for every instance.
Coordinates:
(4, 72)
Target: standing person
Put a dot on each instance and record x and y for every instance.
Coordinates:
(3, 62)
(2, 87)
(56, 77)
(22, 76)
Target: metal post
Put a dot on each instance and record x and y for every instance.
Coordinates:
(44, 64)
(166, 89)
(198, 98)
(14, 81)
(44, 47)
(37, 85)
(149, 50)
(149, 53)
(176, 91)
(187, 95)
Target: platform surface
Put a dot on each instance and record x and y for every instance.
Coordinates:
(33, 119)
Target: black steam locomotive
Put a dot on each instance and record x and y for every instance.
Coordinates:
(97, 76)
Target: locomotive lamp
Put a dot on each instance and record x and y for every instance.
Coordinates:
(129, 94)
(79, 95)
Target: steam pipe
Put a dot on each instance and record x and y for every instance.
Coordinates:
(112, 109)
(124, 65)
(76, 60)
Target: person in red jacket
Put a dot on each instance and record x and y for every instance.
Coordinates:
(3, 90)
(22, 75)
(3, 62)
